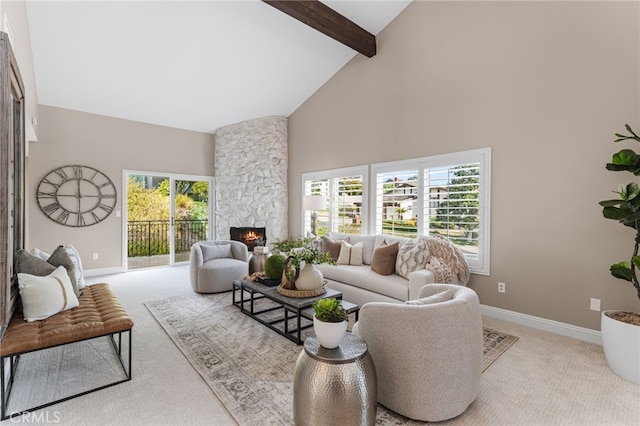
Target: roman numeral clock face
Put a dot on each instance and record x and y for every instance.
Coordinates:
(76, 196)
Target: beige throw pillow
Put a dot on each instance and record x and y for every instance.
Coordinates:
(43, 297)
(443, 296)
(350, 254)
(384, 259)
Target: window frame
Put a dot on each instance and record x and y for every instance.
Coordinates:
(331, 175)
(482, 156)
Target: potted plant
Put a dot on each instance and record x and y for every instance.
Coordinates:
(329, 322)
(621, 329)
(303, 255)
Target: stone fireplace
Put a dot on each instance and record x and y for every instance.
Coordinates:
(251, 177)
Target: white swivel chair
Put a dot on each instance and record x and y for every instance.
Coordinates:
(428, 356)
(215, 264)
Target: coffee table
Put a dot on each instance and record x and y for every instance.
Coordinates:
(293, 309)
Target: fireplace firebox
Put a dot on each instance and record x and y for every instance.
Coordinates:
(251, 236)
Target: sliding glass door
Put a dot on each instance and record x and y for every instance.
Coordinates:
(190, 216)
(166, 214)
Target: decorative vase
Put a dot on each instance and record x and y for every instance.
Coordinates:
(329, 334)
(309, 278)
(256, 262)
(621, 344)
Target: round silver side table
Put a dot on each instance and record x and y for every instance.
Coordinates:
(256, 262)
(335, 386)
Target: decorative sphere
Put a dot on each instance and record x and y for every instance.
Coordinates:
(273, 266)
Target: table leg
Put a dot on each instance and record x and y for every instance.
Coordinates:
(298, 312)
(286, 319)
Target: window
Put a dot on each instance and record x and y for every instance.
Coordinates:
(345, 193)
(446, 195)
(396, 204)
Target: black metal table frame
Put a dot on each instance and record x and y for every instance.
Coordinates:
(291, 334)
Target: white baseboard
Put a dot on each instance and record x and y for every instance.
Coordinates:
(581, 333)
(103, 271)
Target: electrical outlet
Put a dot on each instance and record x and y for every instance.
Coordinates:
(95, 256)
(502, 288)
(595, 305)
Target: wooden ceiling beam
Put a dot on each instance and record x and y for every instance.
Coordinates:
(321, 17)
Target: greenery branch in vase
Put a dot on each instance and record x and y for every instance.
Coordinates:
(621, 329)
(303, 254)
(329, 322)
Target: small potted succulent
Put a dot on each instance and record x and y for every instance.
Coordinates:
(329, 322)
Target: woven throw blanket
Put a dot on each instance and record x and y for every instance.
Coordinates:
(446, 261)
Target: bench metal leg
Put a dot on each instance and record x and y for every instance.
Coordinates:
(8, 383)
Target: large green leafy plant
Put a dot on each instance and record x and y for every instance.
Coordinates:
(626, 209)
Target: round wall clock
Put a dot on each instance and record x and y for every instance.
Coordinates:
(76, 196)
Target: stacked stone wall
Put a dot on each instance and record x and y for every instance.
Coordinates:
(251, 177)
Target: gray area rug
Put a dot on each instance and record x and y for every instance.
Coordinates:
(247, 365)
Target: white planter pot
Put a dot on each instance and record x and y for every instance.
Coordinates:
(621, 343)
(310, 278)
(329, 334)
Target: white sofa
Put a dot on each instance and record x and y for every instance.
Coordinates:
(360, 284)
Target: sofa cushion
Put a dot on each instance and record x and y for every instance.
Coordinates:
(32, 265)
(60, 257)
(210, 252)
(328, 244)
(384, 259)
(350, 254)
(74, 255)
(45, 296)
(39, 253)
(363, 277)
(412, 256)
(390, 239)
(368, 242)
(443, 296)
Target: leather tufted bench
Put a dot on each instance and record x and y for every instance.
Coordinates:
(99, 314)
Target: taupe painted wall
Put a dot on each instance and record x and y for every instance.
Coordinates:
(110, 145)
(545, 84)
(17, 16)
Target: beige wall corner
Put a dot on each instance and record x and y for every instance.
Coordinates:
(16, 15)
(545, 84)
(110, 145)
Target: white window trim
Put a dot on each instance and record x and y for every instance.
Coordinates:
(482, 156)
(337, 173)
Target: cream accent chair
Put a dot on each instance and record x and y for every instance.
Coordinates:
(428, 357)
(214, 265)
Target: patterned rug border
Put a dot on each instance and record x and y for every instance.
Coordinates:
(246, 403)
(502, 342)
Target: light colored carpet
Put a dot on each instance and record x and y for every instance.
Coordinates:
(248, 366)
(544, 379)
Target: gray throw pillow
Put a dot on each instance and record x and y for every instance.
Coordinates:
(215, 251)
(59, 257)
(32, 265)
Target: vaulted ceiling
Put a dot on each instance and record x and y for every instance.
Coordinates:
(191, 65)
